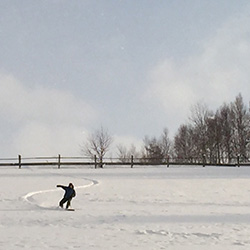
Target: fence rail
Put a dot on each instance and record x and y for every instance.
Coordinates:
(60, 161)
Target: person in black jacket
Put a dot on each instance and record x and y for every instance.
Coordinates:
(69, 194)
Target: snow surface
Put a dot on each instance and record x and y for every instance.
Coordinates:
(146, 208)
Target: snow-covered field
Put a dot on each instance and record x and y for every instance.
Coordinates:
(147, 208)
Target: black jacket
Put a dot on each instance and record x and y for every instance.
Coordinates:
(69, 192)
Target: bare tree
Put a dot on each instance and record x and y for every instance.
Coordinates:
(165, 143)
(125, 154)
(220, 137)
(184, 145)
(241, 126)
(199, 116)
(225, 118)
(122, 153)
(153, 151)
(98, 144)
(157, 150)
(214, 139)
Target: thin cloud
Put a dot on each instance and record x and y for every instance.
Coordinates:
(45, 121)
(216, 75)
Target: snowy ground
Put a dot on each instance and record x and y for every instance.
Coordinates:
(122, 208)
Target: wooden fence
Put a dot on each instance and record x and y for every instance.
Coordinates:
(59, 161)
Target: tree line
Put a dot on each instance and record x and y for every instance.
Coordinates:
(218, 137)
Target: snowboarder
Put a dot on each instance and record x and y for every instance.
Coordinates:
(69, 194)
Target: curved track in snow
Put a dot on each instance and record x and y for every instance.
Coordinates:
(29, 196)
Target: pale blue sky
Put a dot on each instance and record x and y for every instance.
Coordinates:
(135, 67)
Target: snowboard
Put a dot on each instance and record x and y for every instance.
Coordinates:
(70, 209)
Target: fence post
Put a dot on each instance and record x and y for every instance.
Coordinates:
(95, 161)
(238, 161)
(204, 160)
(59, 161)
(132, 161)
(19, 161)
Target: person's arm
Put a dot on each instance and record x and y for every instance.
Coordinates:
(60, 186)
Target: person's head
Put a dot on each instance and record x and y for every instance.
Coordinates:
(71, 185)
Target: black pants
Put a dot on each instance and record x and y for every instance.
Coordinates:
(65, 200)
